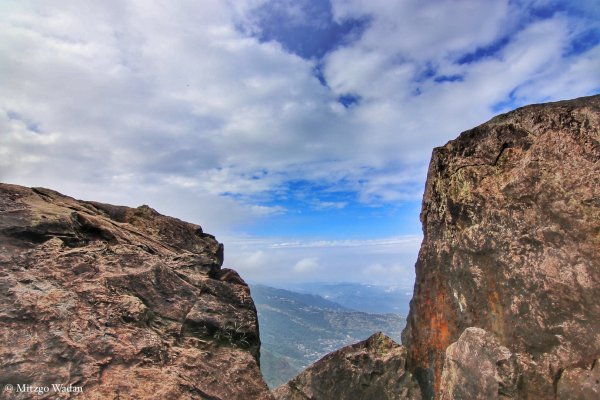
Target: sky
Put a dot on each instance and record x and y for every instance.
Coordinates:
(297, 132)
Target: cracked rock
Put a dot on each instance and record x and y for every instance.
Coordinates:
(101, 297)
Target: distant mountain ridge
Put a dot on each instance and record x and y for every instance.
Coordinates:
(297, 329)
(307, 299)
(369, 298)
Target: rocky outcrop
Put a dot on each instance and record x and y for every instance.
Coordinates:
(372, 369)
(119, 302)
(580, 382)
(511, 222)
(477, 367)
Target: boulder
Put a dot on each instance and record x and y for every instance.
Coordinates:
(511, 223)
(477, 367)
(118, 302)
(372, 369)
(580, 382)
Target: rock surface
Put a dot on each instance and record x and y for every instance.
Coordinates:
(122, 302)
(477, 367)
(511, 222)
(372, 369)
(580, 382)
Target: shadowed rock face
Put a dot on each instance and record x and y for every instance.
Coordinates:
(511, 222)
(372, 369)
(124, 302)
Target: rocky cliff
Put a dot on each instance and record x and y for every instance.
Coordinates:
(511, 223)
(372, 369)
(116, 302)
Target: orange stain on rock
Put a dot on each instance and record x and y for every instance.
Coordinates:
(438, 336)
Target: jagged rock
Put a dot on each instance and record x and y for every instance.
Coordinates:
(477, 367)
(580, 382)
(372, 369)
(122, 302)
(511, 222)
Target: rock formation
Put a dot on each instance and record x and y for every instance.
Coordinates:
(580, 382)
(477, 367)
(511, 222)
(372, 369)
(121, 302)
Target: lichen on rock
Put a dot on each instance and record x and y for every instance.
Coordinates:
(511, 223)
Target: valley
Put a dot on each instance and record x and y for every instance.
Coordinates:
(297, 329)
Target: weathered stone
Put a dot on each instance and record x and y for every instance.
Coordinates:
(123, 302)
(372, 369)
(511, 222)
(477, 367)
(580, 382)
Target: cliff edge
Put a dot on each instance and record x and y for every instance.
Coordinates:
(372, 369)
(511, 250)
(114, 302)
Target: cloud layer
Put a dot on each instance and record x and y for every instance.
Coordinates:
(277, 260)
(222, 113)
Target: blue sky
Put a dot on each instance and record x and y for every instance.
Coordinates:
(299, 132)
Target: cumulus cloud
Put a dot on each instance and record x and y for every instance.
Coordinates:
(151, 95)
(175, 92)
(306, 265)
(379, 273)
(281, 260)
(209, 112)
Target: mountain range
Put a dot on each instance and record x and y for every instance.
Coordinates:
(373, 299)
(297, 329)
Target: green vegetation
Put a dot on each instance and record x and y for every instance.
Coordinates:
(297, 329)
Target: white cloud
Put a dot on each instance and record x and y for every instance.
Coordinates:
(306, 265)
(388, 273)
(165, 95)
(426, 31)
(172, 92)
(171, 104)
(254, 260)
(273, 260)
